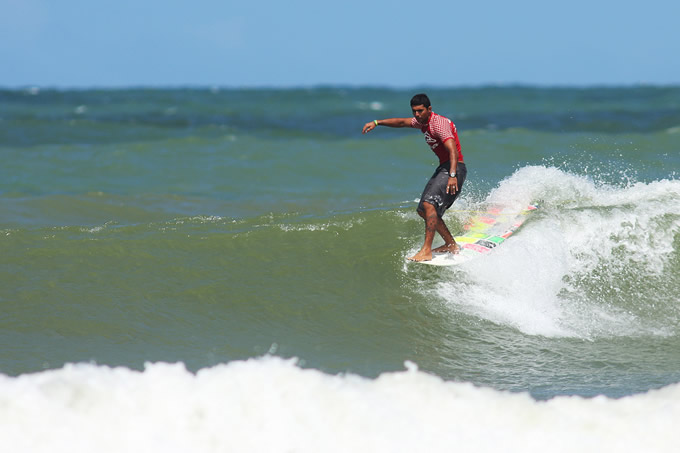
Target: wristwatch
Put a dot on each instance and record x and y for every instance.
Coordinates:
(452, 175)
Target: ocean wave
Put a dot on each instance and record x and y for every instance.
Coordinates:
(271, 405)
(596, 260)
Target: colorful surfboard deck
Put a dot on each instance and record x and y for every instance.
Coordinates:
(484, 232)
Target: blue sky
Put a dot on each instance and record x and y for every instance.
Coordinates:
(81, 43)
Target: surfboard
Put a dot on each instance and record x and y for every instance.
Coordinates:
(484, 232)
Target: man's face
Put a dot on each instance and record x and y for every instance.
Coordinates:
(421, 113)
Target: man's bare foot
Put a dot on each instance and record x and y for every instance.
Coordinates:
(451, 248)
(421, 256)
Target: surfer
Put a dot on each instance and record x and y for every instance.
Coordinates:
(444, 186)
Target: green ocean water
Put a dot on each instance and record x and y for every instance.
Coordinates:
(206, 226)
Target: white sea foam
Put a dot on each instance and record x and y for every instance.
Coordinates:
(271, 405)
(343, 225)
(582, 228)
(374, 105)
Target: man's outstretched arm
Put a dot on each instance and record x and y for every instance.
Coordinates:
(389, 122)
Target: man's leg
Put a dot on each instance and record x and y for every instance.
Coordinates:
(432, 224)
(449, 242)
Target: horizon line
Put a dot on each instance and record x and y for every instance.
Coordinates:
(35, 87)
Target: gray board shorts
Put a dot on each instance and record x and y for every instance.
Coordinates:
(435, 190)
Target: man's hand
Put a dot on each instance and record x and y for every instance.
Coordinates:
(452, 186)
(369, 127)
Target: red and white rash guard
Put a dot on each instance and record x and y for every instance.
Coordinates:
(438, 130)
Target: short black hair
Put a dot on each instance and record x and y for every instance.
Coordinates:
(420, 99)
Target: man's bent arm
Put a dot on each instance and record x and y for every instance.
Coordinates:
(389, 122)
(452, 185)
